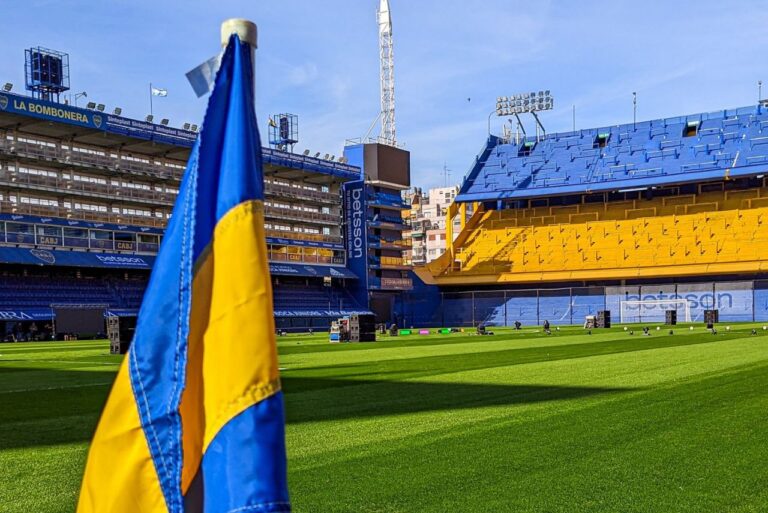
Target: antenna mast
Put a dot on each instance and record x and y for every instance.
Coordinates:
(387, 79)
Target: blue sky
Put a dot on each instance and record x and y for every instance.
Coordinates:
(319, 59)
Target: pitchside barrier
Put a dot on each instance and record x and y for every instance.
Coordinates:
(735, 300)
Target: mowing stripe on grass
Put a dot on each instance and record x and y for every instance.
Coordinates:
(23, 390)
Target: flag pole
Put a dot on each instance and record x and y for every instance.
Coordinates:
(150, 101)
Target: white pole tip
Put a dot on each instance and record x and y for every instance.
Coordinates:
(244, 28)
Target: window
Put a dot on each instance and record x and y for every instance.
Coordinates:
(34, 172)
(76, 233)
(52, 231)
(146, 238)
(101, 235)
(89, 179)
(137, 212)
(31, 200)
(19, 228)
(90, 207)
(88, 151)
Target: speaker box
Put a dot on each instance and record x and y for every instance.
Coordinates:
(362, 328)
(670, 317)
(711, 316)
(603, 319)
(120, 332)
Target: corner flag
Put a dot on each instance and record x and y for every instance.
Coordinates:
(194, 421)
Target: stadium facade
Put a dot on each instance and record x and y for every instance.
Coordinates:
(85, 196)
(635, 219)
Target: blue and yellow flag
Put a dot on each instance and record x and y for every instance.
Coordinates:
(194, 421)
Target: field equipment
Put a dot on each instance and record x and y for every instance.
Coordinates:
(670, 317)
(362, 328)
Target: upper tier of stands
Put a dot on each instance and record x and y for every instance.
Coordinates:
(676, 150)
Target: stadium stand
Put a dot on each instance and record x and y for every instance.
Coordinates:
(84, 199)
(679, 202)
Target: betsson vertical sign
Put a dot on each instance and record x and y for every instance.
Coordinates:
(356, 238)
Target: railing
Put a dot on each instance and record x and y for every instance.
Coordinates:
(80, 215)
(392, 261)
(303, 236)
(301, 215)
(404, 244)
(276, 256)
(284, 191)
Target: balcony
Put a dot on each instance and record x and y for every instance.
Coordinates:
(61, 186)
(98, 159)
(386, 262)
(379, 243)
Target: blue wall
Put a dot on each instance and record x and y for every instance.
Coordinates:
(737, 301)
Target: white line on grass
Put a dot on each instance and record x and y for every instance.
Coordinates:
(22, 390)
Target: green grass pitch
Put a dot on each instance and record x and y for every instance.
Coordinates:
(515, 422)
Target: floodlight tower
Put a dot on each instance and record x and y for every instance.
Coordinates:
(387, 78)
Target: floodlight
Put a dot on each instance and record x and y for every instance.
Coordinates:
(91, 105)
(149, 118)
(7, 87)
(164, 121)
(100, 107)
(186, 126)
(526, 102)
(306, 153)
(193, 128)
(317, 155)
(326, 156)
(117, 111)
